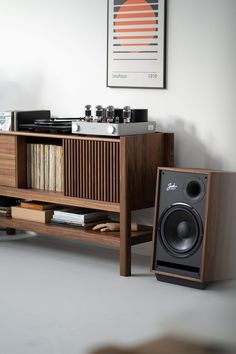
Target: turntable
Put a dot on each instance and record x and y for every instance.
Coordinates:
(52, 125)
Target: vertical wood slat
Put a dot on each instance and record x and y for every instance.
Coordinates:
(69, 169)
(92, 169)
(117, 172)
(111, 172)
(83, 170)
(99, 171)
(77, 177)
(65, 167)
(72, 168)
(105, 171)
(80, 169)
(95, 171)
(114, 172)
(89, 181)
(75, 169)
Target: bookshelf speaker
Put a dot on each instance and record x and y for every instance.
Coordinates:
(194, 226)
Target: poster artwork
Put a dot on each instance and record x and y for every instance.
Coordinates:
(136, 35)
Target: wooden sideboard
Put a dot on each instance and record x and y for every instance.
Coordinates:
(111, 174)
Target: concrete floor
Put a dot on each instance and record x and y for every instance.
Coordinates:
(67, 297)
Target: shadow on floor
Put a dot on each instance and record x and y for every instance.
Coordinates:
(79, 248)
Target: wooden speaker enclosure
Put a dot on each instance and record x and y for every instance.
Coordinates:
(218, 244)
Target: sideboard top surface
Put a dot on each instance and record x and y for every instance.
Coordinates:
(67, 136)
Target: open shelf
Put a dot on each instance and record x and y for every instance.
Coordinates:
(105, 238)
(58, 198)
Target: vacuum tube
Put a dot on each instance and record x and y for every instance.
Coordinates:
(88, 113)
(126, 114)
(110, 114)
(98, 114)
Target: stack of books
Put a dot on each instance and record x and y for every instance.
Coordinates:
(33, 211)
(5, 211)
(80, 217)
(5, 205)
(45, 167)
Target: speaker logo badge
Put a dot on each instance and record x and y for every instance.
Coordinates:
(171, 187)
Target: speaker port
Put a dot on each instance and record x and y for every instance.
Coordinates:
(194, 189)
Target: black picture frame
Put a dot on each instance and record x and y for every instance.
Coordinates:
(136, 46)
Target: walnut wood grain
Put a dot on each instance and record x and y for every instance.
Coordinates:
(7, 160)
(144, 153)
(90, 169)
(125, 211)
(105, 238)
(57, 136)
(58, 198)
(218, 260)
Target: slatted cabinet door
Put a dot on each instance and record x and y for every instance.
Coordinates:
(8, 161)
(91, 168)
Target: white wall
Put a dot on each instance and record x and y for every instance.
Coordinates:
(53, 56)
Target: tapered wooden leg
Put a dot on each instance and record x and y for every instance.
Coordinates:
(125, 243)
(10, 231)
(125, 213)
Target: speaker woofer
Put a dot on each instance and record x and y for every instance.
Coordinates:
(180, 229)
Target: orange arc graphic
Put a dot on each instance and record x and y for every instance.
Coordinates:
(133, 37)
(136, 29)
(130, 2)
(137, 15)
(134, 44)
(144, 6)
(135, 8)
(130, 23)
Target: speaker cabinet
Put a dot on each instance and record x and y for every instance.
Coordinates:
(194, 226)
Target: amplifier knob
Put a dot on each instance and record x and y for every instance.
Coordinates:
(75, 127)
(111, 129)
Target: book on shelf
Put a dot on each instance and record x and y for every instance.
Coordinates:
(5, 211)
(42, 166)
(59, 169)
(42, 216)
(37, 176)
(52, 168)
(5, 205)
(37, 205)
(84, 225)
(46, 167)
(79, 215)
(29, 177)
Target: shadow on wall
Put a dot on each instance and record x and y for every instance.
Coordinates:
(190, 151)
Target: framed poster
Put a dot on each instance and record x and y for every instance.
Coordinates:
(136, 43)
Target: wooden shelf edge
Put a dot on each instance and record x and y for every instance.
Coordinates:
(58, 198)
(59, 136)
(105, 238)
(61, 231)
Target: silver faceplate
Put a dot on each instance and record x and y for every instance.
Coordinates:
(113, 129)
